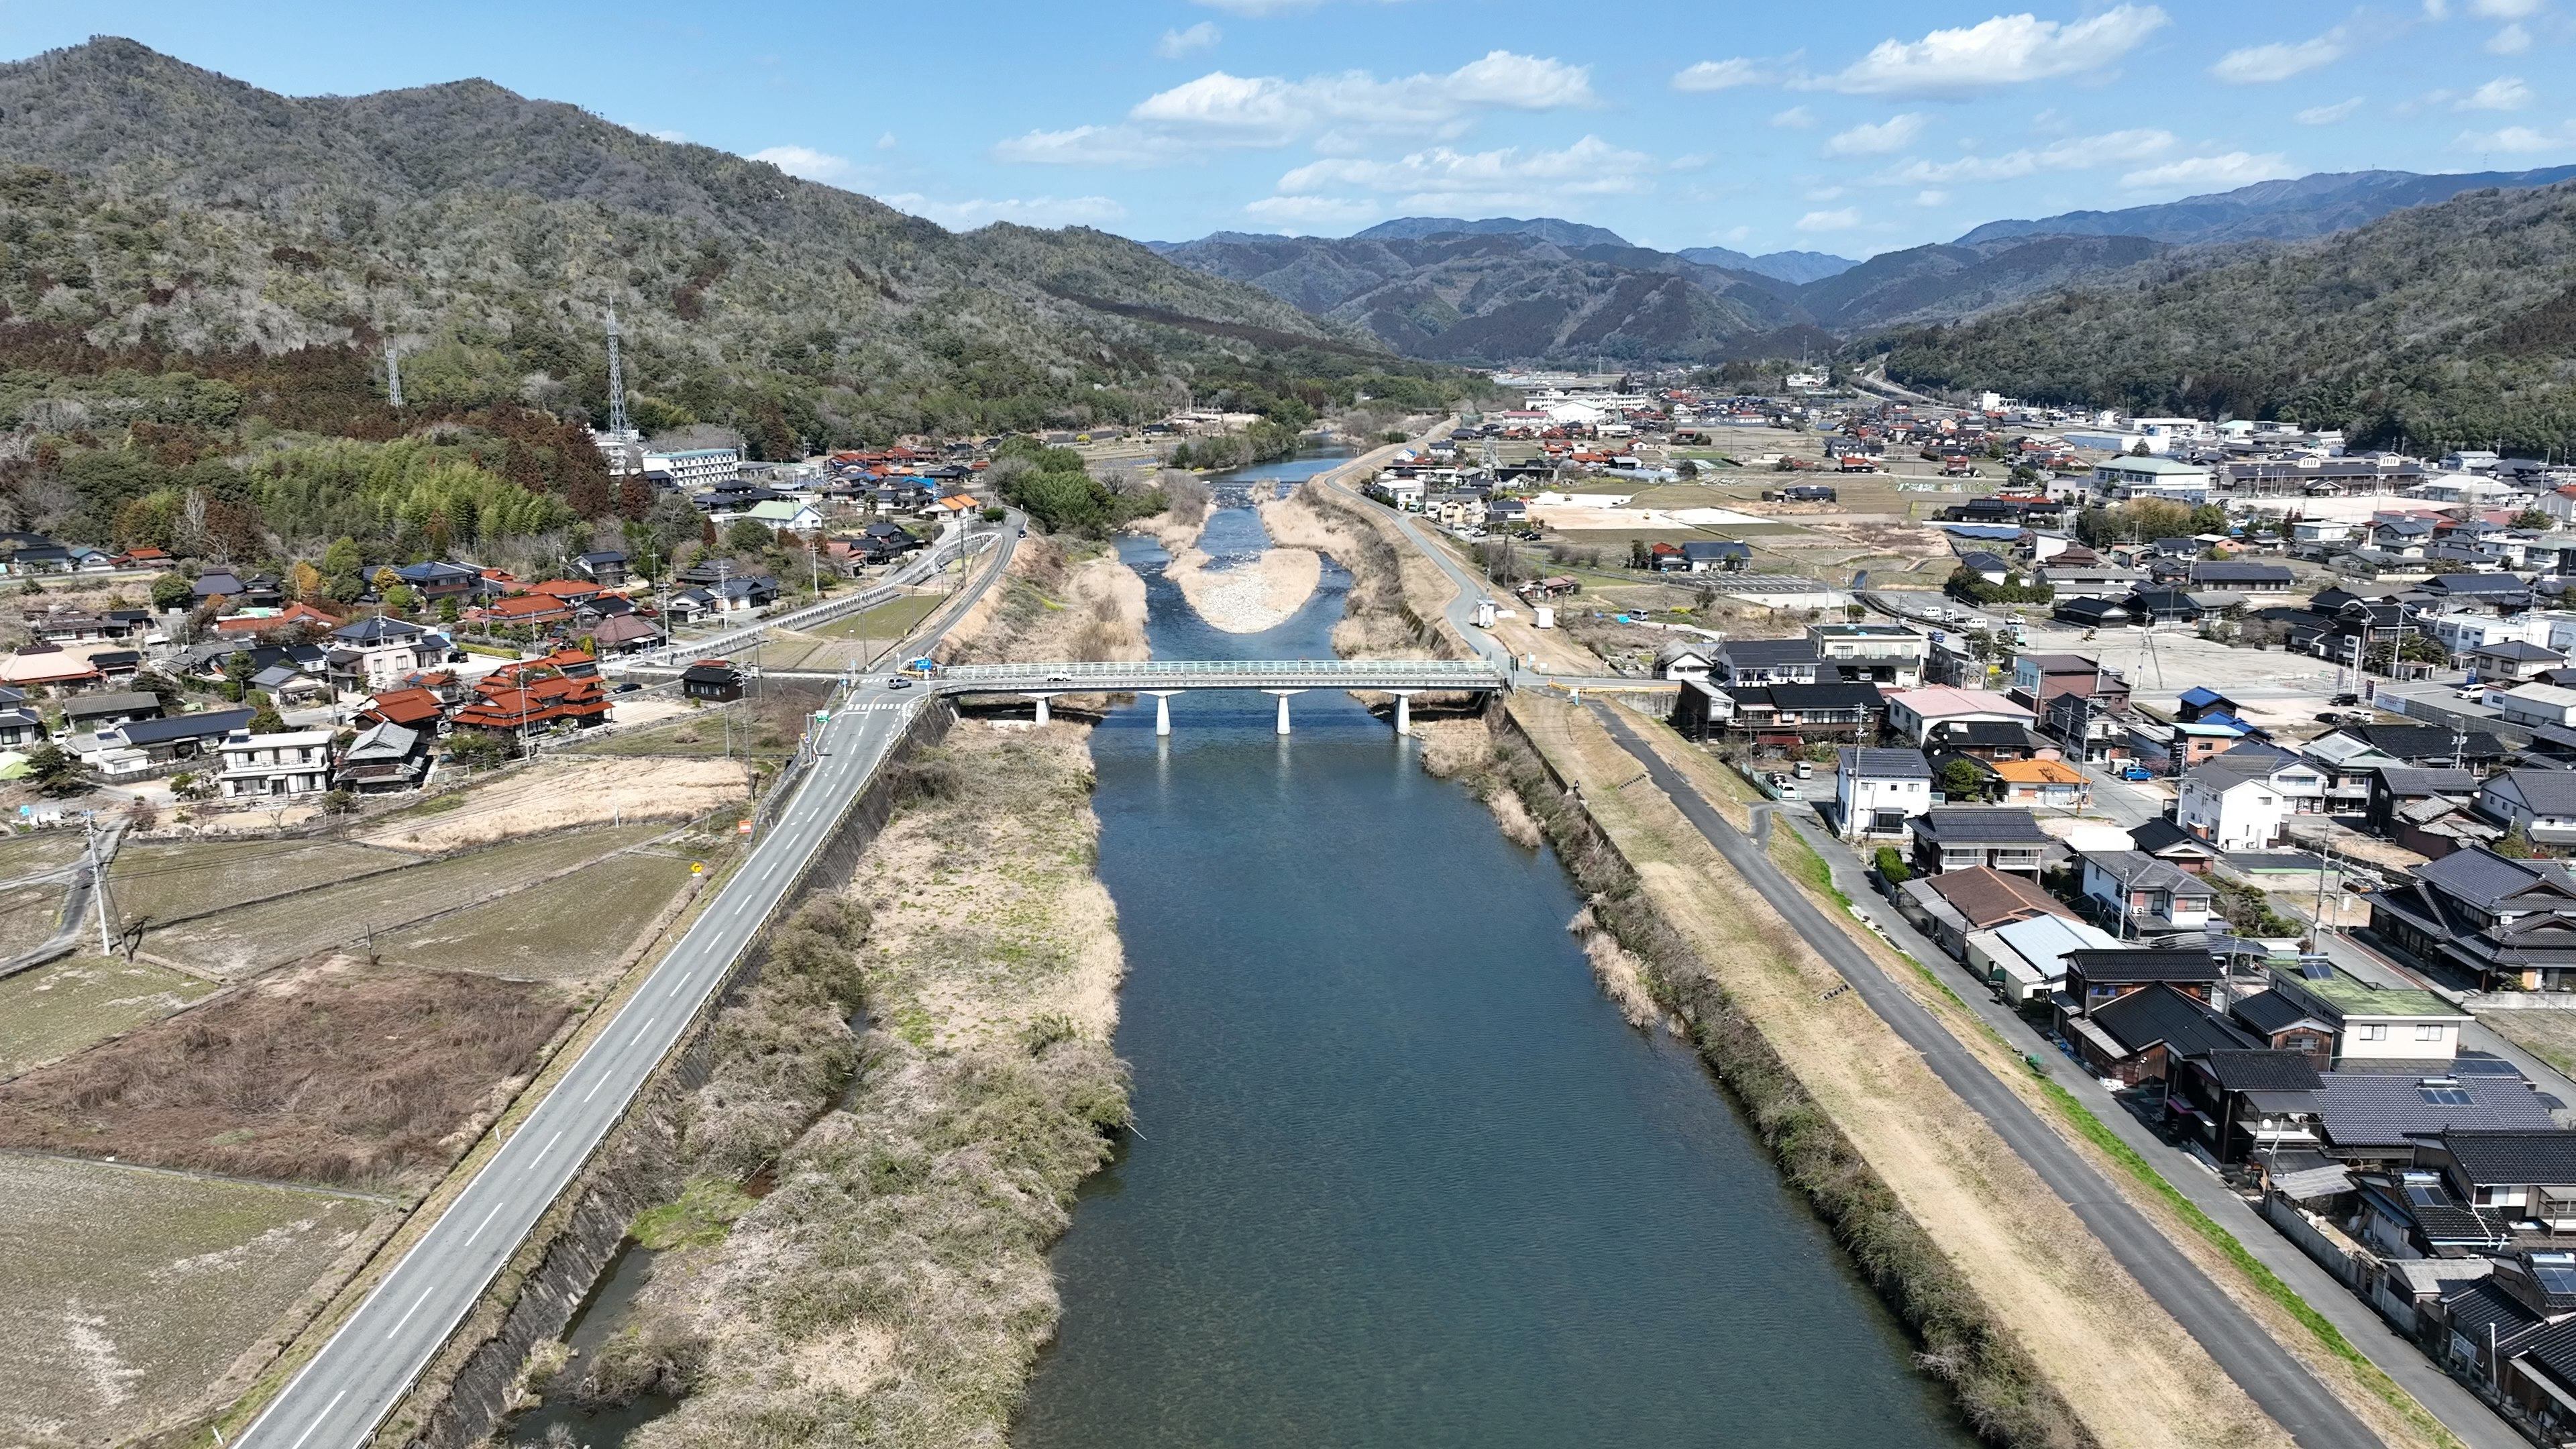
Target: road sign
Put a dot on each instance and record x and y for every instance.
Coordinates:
(697, 867)
(742, 827)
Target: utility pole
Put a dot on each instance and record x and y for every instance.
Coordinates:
(98, 882)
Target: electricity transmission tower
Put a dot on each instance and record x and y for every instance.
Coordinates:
(393, 375)
(616, 382)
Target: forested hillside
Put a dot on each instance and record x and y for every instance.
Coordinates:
(2447, 323)
(196, 274)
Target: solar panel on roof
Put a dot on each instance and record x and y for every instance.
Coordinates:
(2317, 970)
(2555, 1279)
(2445, 1094)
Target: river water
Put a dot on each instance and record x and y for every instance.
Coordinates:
(1402, 1175)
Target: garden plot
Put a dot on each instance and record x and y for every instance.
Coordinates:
(147, 1287)
(336, 1074)
(572, 929)
(160, 881)
(269, 933)
(59, 1008)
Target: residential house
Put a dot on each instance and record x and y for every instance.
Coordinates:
(1913, 714)
(2511, 924)
(2163, 840)
(436, 581)
(1793, 714)
(2541, 803)
(2477, 750)
(1989, 740)
(1702, 556)
(1765, 661)
(2137, 895)
(180, 737)
(2526, 1177)
(1948, 838)
(2200, 700)
(297, 762)
(784, 515)
(2048, 784)
(605, 567)
(2136, 1036)
(2098, 977)
(385, 757)
(1876, 792)
(2393, 787)
(1890, 655)
(624, 634)
(2377, 1119)
(2039, 679)
(2096, 583)
(517, 698)
(1953, 906)
(2163, 606)
(536, 611)
(291, 622)
(2026, 959)
(413, 709)
(2512, 659)
(714, 681)
(2238, 578)
(2240, 1101)
(49, 666)
(372, 653)
(2286, 1024)
(2367, 1023)
(2534, 706)
(2243, 800)
(89, 713)
(2494, 593)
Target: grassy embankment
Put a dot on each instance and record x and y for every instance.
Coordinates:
(857, 1252)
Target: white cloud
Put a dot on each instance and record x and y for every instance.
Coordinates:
(2504, 93)
(1720, 75)
(805, 161)
(1049, 211)
(1310, 210)
(1843, 220)
(1931, 198)
(1441, 177)
(1796, 118)
(2328, 115)
(2518, 139)
(2005, 50)
(1178, 43)
(1893, 134)
(886, 142)
(1092, 146)
(2511, 40)
(2259, 64)
(2436, 9)
(2505, 9)
(2236, 168)
(1339, 112)
(2076, 153)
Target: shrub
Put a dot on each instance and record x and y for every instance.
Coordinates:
(1891, 866)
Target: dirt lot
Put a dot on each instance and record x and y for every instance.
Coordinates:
(160, 880)
(764, 726)
(573, 929)
(149, 1286)
(2548, 1033)
(332, 1074)
(271, 933)
(2131, 1372)
(63, 1006)
(561, 793)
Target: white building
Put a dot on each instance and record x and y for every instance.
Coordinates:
(2245, 804)
(2119, 480)
(258, 766)
(1878, 792)
(1915, 713)
(695, 470)
(2534, 705)
(2027, 959)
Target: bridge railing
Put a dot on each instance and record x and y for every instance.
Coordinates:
(1458, 672)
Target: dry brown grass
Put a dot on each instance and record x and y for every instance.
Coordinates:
(561, 793)
(330, 1074)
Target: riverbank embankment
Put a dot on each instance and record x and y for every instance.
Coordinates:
(1059, 600)
(2044, 1337)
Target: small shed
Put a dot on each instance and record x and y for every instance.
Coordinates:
(712, 680)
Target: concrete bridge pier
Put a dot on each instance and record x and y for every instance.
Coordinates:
(1403, 710)
(1042, 705)
(1162, 709)
(1283, 705)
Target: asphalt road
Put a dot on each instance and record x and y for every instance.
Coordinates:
(338, 1398)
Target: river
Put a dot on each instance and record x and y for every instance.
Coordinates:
(1402, 1175)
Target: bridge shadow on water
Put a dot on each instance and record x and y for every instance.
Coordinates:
(1402, 1175)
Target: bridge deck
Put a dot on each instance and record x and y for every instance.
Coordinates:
(1147, 674)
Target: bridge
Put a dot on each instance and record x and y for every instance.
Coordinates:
(1163, 678)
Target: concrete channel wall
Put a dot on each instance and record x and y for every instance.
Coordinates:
(466, 1391)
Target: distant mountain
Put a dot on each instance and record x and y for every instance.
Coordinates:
(150, 204)
(2310, 206)
(1545, 228)
(1790, 267)
(2444, 322)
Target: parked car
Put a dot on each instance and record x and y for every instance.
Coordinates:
(1806, 770)
(2137, 772)
(628, 687)
(2345, 699)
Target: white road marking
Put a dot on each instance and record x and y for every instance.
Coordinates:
(408, 1312)
(487, 1222)
(318, 1418)
(549, 1147)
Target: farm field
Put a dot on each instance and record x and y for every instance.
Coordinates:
(42, 851)
(160, 880)
(559, 792)
(247, 938)
(573, 929)
(60, 1007)
(2545, 1032)
(149, 1286)
(28, 917)
(336, 1074)
(764, 725)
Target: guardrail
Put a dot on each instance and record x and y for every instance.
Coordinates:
(1217, 674)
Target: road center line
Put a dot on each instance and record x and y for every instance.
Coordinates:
(549, 1147)
(408, 1312)
(318, 1418)
(487, 1222)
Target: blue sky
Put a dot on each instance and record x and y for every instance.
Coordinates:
(1855, 128)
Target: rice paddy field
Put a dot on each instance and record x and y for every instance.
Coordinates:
(576, 928)
(159, 881)
(59, 1008)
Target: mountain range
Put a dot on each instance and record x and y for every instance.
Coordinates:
(1504, 289)
(154, 211)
